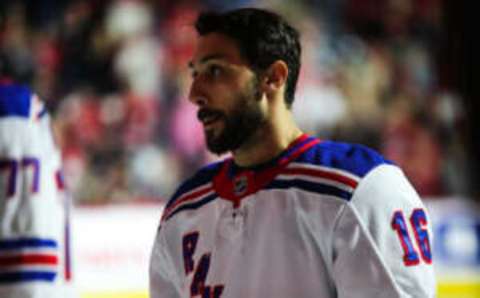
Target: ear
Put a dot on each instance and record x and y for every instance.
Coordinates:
(275, 77)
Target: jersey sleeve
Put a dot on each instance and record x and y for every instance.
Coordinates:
(164, 283)
(381, 245)
(34, 206)
(164, 280)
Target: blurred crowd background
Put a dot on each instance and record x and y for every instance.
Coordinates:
(115, 76)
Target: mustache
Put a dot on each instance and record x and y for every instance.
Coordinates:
(206, 112)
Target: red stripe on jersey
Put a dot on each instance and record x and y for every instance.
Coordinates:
(254, 180)
(31, 259)
(321, 174)
(287, 159)
(188, 197)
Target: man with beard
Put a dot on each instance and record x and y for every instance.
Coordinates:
(288, 215)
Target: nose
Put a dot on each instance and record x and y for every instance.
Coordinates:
(195, 95)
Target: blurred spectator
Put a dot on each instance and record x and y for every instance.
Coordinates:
(412, 145)
(116, 72)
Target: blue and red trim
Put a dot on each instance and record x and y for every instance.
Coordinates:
(316, 179)
(190, 200)
(321, 167)
(348, 180)
(28, 259)
(260, 176)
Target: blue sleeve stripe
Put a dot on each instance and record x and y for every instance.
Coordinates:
(355, 159)
(192, 206)
(12, 244)
(26, 276)
(313, 187)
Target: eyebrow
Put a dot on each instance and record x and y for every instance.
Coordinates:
(206, 59)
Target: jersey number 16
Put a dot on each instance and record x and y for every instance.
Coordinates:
(418, 221)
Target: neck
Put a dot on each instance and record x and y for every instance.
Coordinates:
(269, 141)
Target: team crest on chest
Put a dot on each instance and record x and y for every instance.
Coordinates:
(240, 185)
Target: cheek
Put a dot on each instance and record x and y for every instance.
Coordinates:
(226, 93)
(225, 100)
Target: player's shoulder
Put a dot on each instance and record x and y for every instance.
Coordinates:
(330, 168)
(352, 159)
(17, 100)
(194, 191)
(14, 100)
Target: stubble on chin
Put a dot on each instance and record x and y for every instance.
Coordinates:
(214, 142)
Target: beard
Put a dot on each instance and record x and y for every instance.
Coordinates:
(240, 124)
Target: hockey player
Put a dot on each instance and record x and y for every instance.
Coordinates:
(288, 215)
(34, 247)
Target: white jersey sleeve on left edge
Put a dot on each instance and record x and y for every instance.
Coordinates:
(382, 240)
(163, 281)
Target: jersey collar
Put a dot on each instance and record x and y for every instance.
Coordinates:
(234, 183)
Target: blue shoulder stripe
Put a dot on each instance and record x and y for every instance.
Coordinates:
(26, 276)
(203, 176)
(352, 158)
(15, 100)
(193, 206)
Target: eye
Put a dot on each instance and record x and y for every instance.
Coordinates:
(214, 70)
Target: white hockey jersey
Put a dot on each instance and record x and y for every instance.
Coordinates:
(324, 219)
(34, 246)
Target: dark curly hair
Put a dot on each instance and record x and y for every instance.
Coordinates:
(262, 37)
